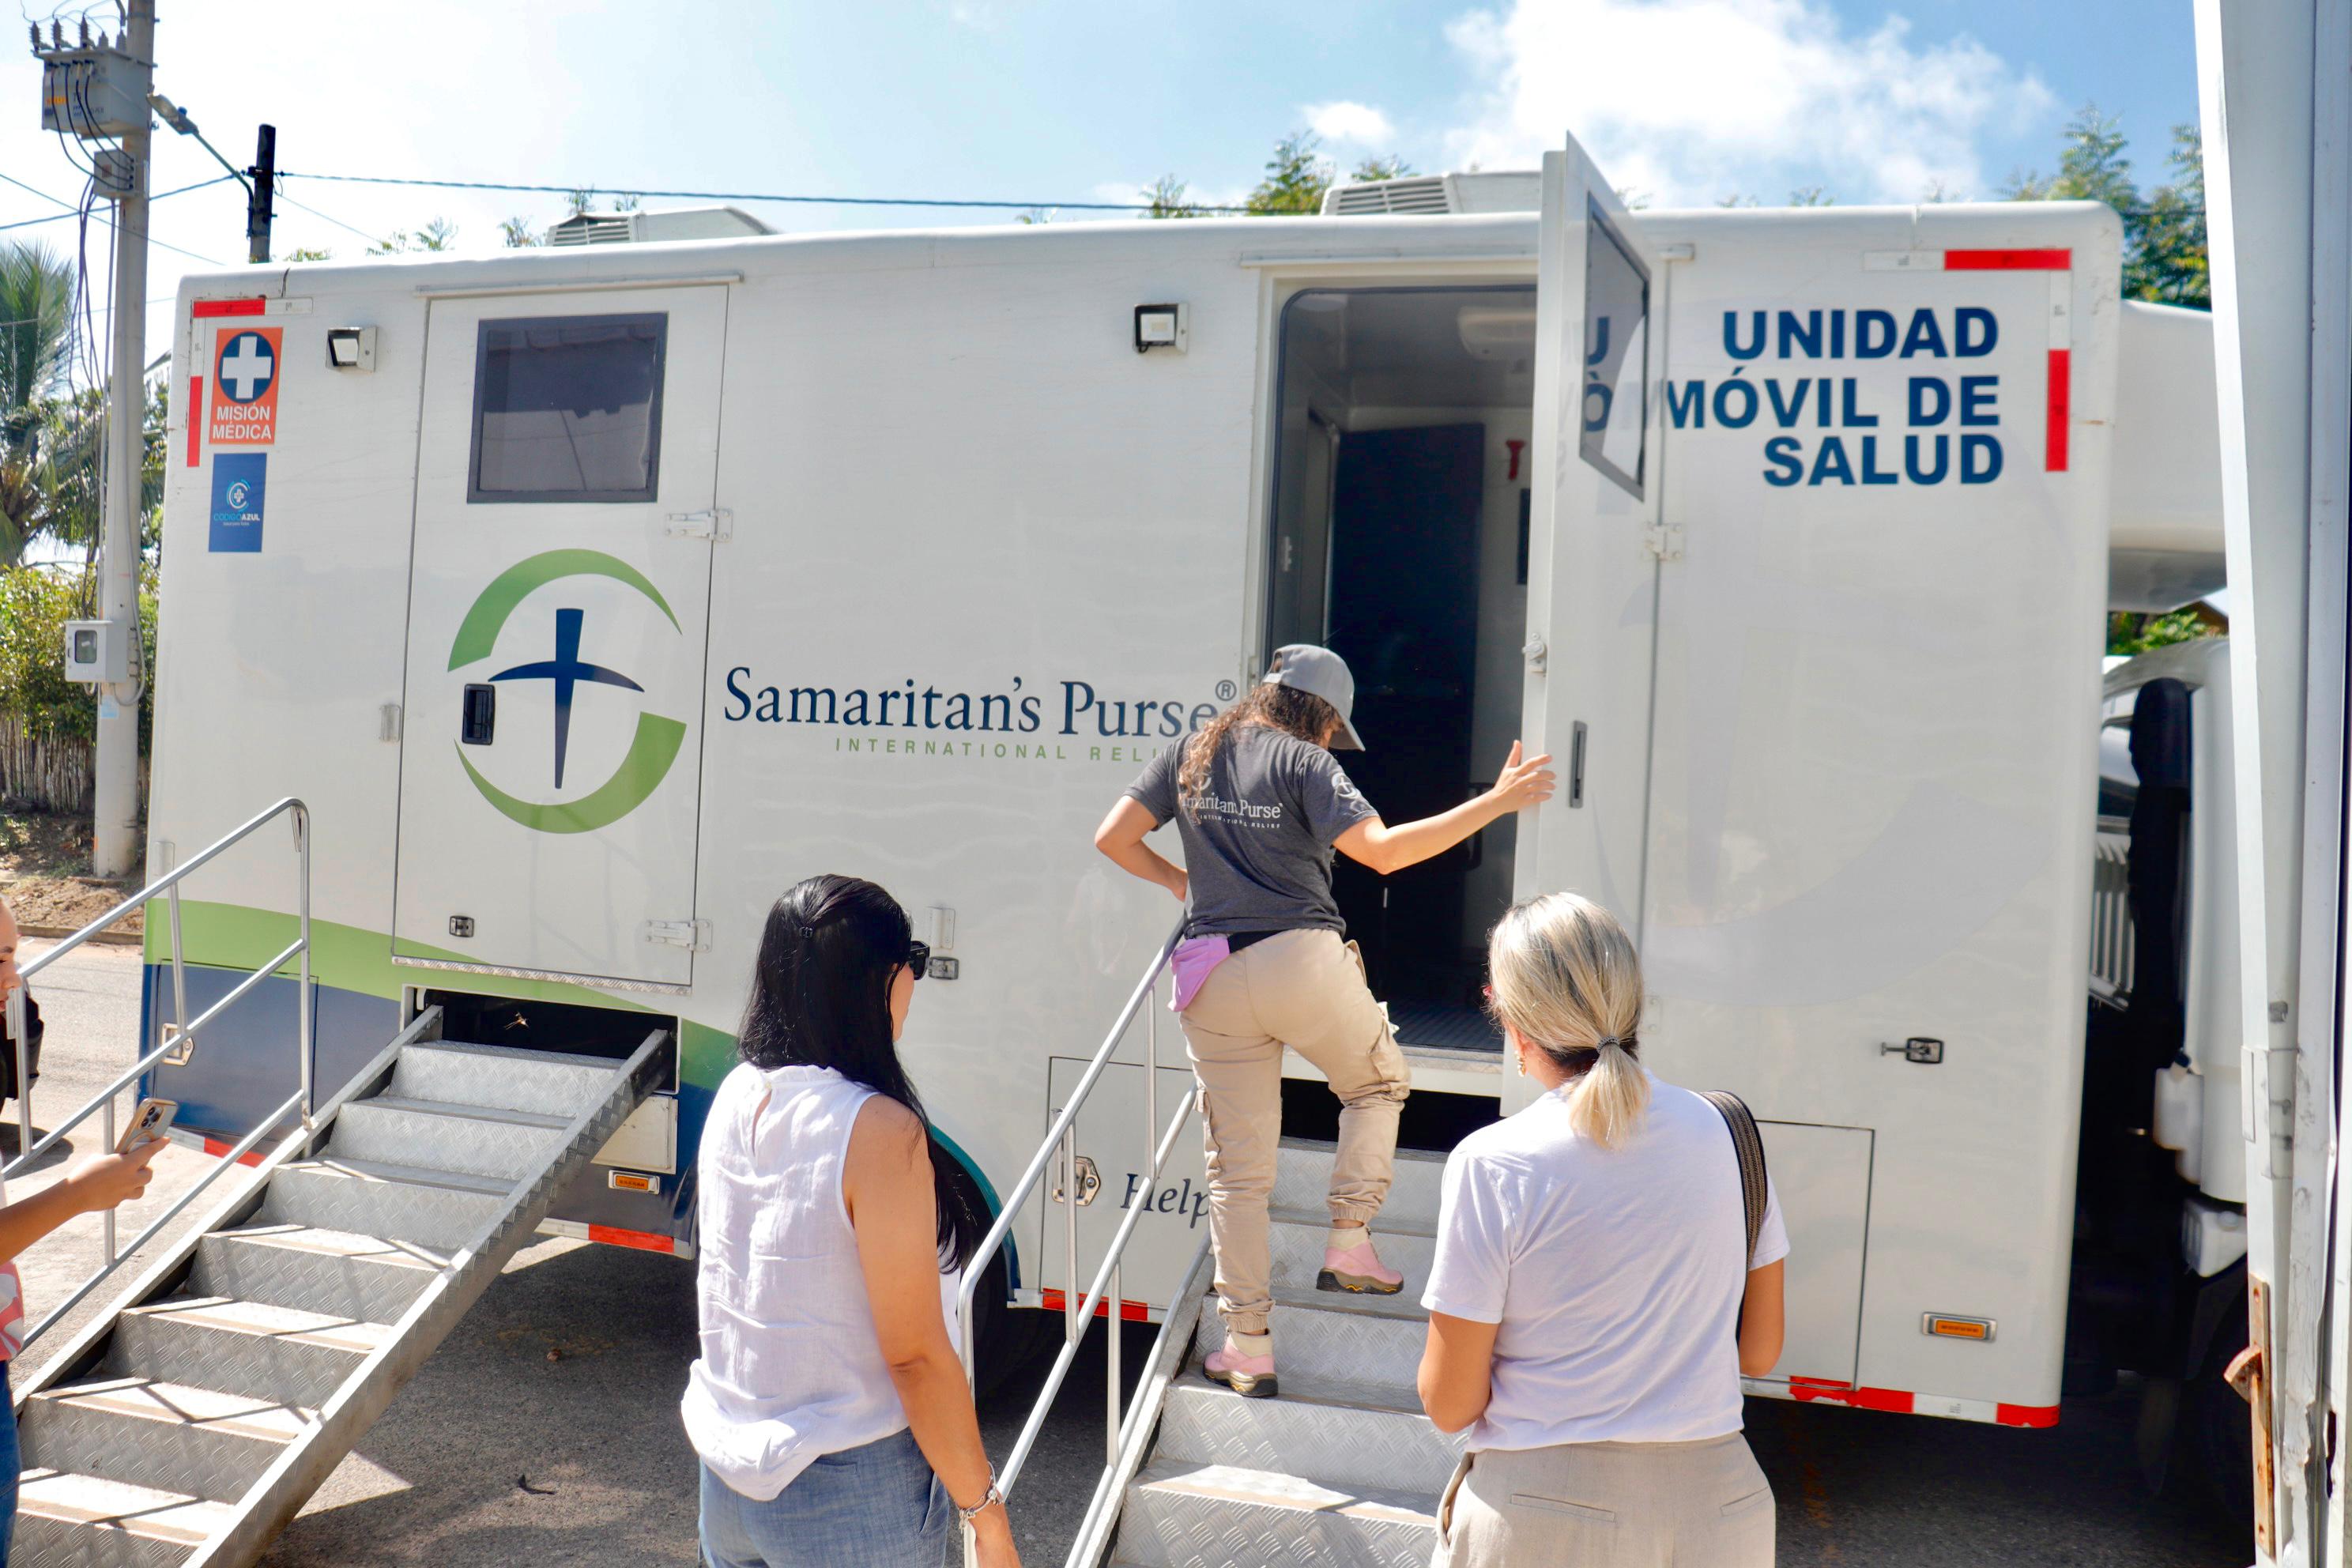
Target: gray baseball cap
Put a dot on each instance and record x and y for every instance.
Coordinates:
(1319, 672)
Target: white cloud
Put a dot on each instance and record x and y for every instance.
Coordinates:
(1695, 100)
(1347, 124)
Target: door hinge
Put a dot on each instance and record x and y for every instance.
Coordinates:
(1663, 540)
(1535, 654)
(717, 523)
(2266, 1105)
(692, 935)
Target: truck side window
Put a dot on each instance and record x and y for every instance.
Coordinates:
(567, 408)
(1616, 355)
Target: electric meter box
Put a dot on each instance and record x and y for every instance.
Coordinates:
(96, 651)
(92, 92)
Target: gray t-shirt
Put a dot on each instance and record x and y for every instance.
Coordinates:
(1259, 857)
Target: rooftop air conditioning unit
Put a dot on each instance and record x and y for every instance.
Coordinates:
(1505, 190)
(685, 223)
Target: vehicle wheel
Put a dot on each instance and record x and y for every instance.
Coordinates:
(2217, 1439)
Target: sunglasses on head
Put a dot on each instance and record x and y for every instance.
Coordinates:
(918, 958)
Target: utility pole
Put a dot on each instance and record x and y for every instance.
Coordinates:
(261, 184)
(114, 845)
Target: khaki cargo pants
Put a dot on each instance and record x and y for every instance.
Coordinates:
(1304, 989)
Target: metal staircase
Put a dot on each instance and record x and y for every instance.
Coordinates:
(1341, 1468)
(186, 1421)
(189, 1422)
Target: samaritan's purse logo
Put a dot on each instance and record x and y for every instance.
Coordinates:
(651, 751)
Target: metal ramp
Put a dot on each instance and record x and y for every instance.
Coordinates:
(1341, 1468)
(190, 1421)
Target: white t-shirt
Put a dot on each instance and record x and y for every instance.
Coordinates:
(1614, 1273)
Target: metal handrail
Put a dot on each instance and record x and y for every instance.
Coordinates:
(179, 1035)
(1062, 1139)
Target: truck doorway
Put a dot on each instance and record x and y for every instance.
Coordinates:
(1400, 541)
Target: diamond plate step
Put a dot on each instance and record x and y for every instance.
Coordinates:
(1302, 1182)
(185, 1438)
(1327, 1338)
(544, 1082)
(477, 1140)
(1180, 1514)
(90, 1522)
(444, 1210)
(332, 1271)
(279, 1354)
(1343, 1435)
(1298, 1238)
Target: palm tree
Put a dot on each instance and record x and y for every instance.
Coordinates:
(36, 291)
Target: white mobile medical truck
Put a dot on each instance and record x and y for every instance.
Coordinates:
(589, 599)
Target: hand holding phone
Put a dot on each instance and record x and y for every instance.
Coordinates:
(152, 1120)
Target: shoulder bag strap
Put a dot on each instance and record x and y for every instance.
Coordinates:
(1747, 1144)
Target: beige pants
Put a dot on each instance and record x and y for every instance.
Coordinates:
(1608, 1505)
(1304, 989)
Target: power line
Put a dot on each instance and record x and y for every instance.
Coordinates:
(71, 209)
(749, 195)
(314, 212)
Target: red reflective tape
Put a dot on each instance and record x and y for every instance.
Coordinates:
(1132, 1312)
(1805, 1389)
(2008, 261)
(2026, 1415)
(643, 1241)
(2061, 414)
(196, 420)
(215, 1148)
(253, 306)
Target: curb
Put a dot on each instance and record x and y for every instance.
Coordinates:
(110, 938)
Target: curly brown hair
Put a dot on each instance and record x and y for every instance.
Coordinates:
(1285, 708)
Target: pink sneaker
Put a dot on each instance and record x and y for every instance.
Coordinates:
(1251, 1376)
(1358, 1269)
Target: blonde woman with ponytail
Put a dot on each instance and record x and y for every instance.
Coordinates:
(1591, 1309)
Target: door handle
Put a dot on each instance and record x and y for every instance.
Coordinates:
(479, 719)
(1576, 767)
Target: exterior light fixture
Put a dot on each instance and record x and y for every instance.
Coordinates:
(351, 348)
(1161, 327)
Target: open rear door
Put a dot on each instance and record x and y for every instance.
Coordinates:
(1592, 572)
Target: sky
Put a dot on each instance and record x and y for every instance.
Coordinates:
(1064, 101)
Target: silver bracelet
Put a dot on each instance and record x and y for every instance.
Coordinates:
(964, 1516)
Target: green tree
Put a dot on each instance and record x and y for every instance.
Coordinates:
(438, 234)
(36, 291)
(2164, 234)
(1811, 196)
(1295, 178)
(1167, 197)
(518, 234)
(2129, 633)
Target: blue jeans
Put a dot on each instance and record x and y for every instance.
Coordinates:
(874, 1506)
(11, 1461)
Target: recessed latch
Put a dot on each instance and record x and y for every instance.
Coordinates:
(1090, 1183)
(1918, 1049)
(692, 935)
(717, 523)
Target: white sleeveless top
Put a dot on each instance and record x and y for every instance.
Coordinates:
(790, 1368)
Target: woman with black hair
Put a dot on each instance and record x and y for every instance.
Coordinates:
(829, 1405)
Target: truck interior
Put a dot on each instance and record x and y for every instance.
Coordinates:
(1398, 540)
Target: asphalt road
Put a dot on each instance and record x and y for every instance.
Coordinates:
(545, 1430)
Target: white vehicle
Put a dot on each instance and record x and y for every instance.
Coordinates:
(589, 599)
